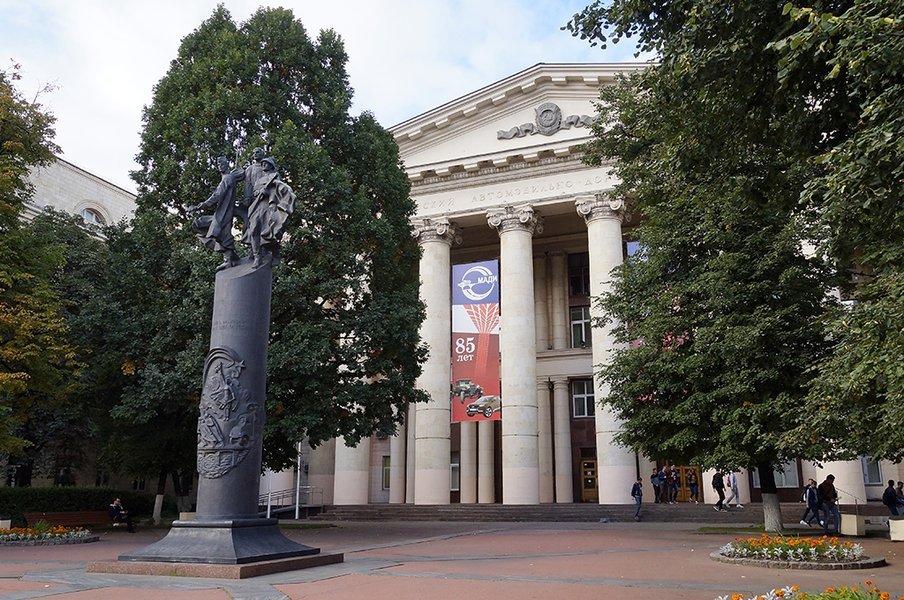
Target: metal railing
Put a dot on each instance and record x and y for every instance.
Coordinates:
(305, 495)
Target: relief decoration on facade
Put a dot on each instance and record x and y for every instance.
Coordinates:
(509, 218)
(548, 121)
(229, 424)
(601, 206)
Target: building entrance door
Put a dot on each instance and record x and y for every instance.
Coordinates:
(590, 491)
(684, 490)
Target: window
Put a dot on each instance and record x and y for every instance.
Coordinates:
(580, 327)
(455, 472)
(872, 475)
(785, 476)
(579, 274)
(633, 249)
(582, 398)
(92, 216)
(386, 465)
(138, 485)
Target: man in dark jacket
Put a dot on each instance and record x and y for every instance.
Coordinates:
(118, 514)
(829, 498)
(812, 499)
(890, 498)
(637, 494)
(719, 486)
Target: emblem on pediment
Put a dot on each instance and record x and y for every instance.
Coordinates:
(548, 121)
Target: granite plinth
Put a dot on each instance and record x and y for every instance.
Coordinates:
(225, 542)
(239, 571)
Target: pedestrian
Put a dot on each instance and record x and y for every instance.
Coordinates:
(654, 481)
(693, 486)
(119, 514)
(731, 482)
(663, 490)
(719, 486)
(637, 494)
(676, 484)
(669, 484)
(828, 496)
(811, 498)
(890, 498)
(899, 492)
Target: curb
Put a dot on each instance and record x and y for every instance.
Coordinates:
(866, 563)
(63, 542)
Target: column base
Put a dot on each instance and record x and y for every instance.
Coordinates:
(222, 542)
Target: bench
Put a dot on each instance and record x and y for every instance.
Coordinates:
(71, 519)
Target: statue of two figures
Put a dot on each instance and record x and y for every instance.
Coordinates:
(265, 205)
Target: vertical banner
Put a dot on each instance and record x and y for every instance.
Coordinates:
(476, 393)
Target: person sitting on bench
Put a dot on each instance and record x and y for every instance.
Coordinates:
(118, 514)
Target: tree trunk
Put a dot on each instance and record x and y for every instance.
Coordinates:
(181, 496)
(772, 511)
(158, 499)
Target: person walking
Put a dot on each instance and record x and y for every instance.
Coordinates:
(669, 484)
(637, 494)
(811, 498)
(663, 487)
(693, 486)
(731, 482)
(828, 496)
(890, 498)
(676, 484)
(719, 486)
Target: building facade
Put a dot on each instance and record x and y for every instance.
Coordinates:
(498, 175)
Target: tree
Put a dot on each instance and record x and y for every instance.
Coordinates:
(722, 299)
(37, 361)
(857, 399)
(344, 350)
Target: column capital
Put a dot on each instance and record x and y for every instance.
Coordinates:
(437, 229)
(560, 383)
(601, 206)
(515, 218)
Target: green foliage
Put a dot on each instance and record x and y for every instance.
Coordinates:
(36, 359)
(14, 502)
(344, 351)
(723, 300)
(857, 196)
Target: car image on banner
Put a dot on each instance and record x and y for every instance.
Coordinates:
(475, 389)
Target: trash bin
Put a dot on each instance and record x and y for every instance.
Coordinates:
(896, 528)
(853, 525)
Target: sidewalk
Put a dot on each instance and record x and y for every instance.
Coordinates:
(451, 561)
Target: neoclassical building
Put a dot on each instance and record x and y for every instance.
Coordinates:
(497, 175)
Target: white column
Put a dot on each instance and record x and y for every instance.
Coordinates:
(544, 442)
(541, 308)
(410, 423)
(351, 482)
(848, 480)
(432, 446)
(616, 467)
(468, 463)
(520, 453)
(557, 281)
(486, 463)
(562, 441)
(397, 466)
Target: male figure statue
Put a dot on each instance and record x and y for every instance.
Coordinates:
(272, 203)
(215, 231)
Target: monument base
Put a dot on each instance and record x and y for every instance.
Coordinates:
(221, 542)
(243, 571)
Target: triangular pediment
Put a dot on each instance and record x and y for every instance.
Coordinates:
(542, 111)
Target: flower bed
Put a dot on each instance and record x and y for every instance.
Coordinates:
(868, 592)
(44, 534)
(799, 549)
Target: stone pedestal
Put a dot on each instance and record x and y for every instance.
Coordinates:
(227, 528)
(896, 528)
(853, 525)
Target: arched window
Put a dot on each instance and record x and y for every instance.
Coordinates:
(92, 216)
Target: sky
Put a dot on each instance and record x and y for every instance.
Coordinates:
(103, 58)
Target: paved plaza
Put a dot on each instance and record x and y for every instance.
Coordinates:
(451, 561)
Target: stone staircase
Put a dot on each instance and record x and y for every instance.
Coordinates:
(587, 513)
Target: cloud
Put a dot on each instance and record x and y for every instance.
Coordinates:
(404, 57)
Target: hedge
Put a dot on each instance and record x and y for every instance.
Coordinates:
(16, 501)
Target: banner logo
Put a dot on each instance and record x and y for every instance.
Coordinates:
(477, 283)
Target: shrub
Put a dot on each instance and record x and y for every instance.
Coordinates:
(14, 502)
